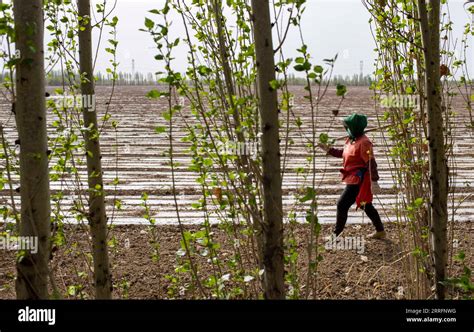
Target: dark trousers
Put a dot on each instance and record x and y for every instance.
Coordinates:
(344, 203)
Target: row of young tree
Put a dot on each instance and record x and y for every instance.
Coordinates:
(227, 80)
(354, 80)
(55, 78)
(220, 81)
(29, 106)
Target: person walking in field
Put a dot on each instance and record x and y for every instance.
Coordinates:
(359, 173)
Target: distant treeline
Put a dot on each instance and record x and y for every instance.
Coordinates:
(354, 80)
(55, 78)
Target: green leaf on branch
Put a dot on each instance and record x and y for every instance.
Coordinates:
(274, 85)
(153, 94)
(309, 195)
(303, 66)
(341, 90)
(149, 23)
(323, 138)
(318, 69)
(418, 202)
(160, 130)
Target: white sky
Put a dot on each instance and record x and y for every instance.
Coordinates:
(329, 26)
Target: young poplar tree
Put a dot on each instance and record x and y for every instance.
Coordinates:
(274, 285)
(30, 107)
(430, 30)
(97, 214)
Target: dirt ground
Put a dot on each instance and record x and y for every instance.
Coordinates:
(376, 272)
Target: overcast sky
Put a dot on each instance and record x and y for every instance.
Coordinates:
(330, 27)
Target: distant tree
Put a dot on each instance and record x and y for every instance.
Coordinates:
(30, 107)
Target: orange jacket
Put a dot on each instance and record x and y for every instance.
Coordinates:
(357, 157)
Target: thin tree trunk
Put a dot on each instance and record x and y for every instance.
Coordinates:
(32, 280)
(274, 285)
(5, 144)
(430, 30)
(97, 214)
(227, 71)
(243, 160)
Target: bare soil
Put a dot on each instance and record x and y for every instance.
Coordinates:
(375, 273)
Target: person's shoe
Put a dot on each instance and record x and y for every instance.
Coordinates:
(378, 235)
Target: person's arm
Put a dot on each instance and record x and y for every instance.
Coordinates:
(367, 152)
(331, 151)
(373, 170)
(335, 152)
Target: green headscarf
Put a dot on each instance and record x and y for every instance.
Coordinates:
(355, 125)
